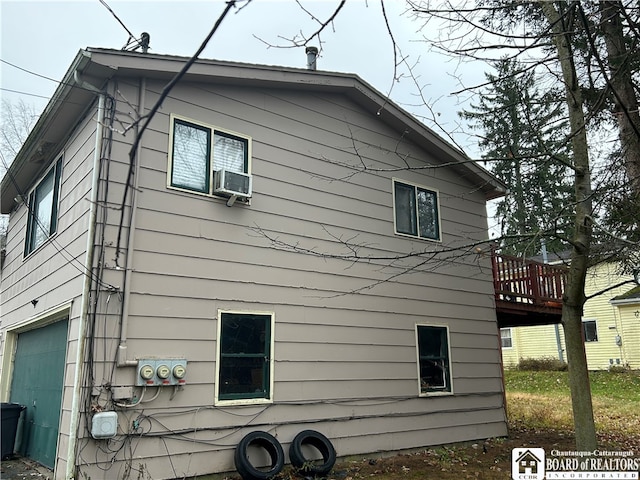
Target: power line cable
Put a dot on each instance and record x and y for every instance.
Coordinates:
(29, 71)
(143, 41)
(106, 5)
(58, 82)
(24, 93)
(66, 102)
(165, 92)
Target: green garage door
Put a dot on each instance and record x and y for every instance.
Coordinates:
(38, 377)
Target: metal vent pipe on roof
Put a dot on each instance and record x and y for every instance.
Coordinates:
(312, 56)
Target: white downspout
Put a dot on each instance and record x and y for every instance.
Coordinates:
(86, 293)
(121, 357)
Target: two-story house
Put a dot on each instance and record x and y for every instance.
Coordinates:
(266, 249)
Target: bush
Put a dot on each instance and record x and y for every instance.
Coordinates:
(619, 369)
(549, 364)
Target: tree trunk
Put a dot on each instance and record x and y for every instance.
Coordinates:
(621, 83)
(574, 296)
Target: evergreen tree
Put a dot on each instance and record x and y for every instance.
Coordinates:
(523, 140)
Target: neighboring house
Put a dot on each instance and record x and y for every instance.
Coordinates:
(628, 310)
(228, 296)
(611, 326)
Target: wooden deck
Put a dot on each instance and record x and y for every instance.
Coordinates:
(527, 292)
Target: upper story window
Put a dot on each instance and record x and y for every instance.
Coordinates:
(197, 151)
(417, 211)
(434, 362)
(42, 219)
(244, 361)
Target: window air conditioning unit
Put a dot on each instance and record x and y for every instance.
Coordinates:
(230, 183)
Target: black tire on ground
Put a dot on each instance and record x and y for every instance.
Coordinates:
(269, 443)
(324, 446)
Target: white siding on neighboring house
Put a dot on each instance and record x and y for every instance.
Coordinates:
(533, 342)
(629, 331)
(607, 350)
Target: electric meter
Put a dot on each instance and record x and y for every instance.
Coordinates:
(146, 372)
(163, 371)
(179, 371)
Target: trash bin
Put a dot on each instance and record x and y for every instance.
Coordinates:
(10, 416)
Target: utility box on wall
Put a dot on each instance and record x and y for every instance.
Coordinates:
(104, 425)
(158, 372)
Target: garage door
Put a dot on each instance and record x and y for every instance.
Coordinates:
(38, 377)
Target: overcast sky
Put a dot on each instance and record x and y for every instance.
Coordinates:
(43, 37)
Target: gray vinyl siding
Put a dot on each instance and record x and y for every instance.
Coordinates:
(59, 261)
(345, 360)
(53, 274)
(345, 353)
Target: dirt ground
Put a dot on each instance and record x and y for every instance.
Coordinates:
(484, 460)
(489, 460)
(23, 469)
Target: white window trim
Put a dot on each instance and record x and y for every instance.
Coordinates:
(424, 187)
(510, 336)
(248, 401)
(436, 393)
(213, 129)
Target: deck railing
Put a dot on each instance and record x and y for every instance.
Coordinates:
(523, 281)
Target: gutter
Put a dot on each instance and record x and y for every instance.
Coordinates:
(625, 301)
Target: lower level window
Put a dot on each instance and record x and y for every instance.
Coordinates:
(434, 363)
(506, 338)
(590, 330)
(245, 350)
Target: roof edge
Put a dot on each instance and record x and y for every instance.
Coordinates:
(101, 64)
(349, 83)
(35, 144)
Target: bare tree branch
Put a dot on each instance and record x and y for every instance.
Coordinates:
(165, 92)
